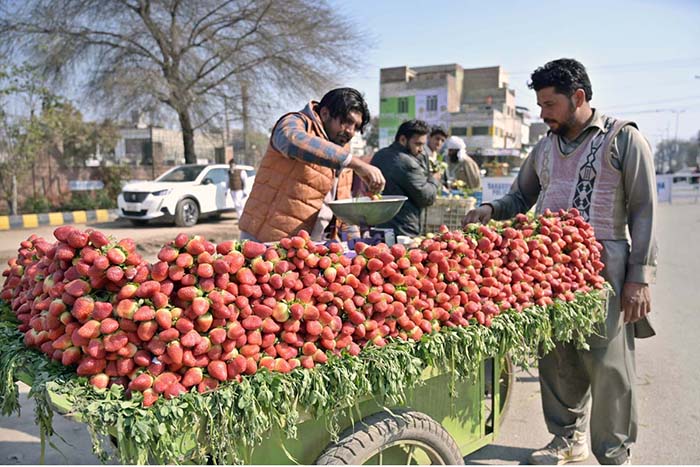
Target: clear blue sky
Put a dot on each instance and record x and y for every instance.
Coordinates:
(642, 55)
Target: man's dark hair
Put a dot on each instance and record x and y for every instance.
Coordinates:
(566, 75)
(340, 102)
(412, 127)
(438, 130)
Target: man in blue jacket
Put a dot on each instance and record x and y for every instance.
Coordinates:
(407, 174)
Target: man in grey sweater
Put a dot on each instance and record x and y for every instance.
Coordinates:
(604, 168)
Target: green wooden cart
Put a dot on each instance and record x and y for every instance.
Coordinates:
(443, 420)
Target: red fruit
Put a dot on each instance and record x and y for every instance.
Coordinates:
(190, 339)
(207, 384)
(116, 256)
(116, 341)
(146, 330)
(252, 249)
(100, 380)
(77, 287)
(217, 335)
(89, 330)
(252, 322)
(71, 356)
(141, 382)
(200, 305)
(144, 313)
(147, 289)
(62, 233)
(189, 293)
(125, 366)
(169, 335)
(246, 277)
(192, 377)
(83, 308)
(314, 328)
(91, 366)
(174, 351)
(163, 381)
(164, 318)
(195, 246)
(126, 308)
(217, 370)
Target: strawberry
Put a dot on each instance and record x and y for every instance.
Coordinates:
(77, 288)
(126, 308)
(200, 305)
(192, 377)
(71, 356)
(83, 308)
(141, 382)
(146, 330)
(252, 249)
(217, 370)
(125, 366)
(90, 330)
(127, 291)
(90, 366)
(217, 335)
(100, 380)
(174, 351)
(169, 335)
(207, 384)
(116, 256)
(163, 381)
(116, 341)
(144, 313)
(245, 276)
(164, 318)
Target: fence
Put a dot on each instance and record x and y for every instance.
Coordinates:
(673, 188)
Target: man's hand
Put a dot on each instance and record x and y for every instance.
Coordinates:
(636, 301)
(369, 174)
(482, 214)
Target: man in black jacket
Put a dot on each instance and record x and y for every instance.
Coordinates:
(407, 173)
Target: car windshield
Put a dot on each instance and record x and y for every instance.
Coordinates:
(186, 173)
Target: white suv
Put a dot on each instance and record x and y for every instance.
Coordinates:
(184, 193)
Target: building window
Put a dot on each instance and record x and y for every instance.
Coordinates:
(431, 104)
(403, 105)
(459, 131)
(480, 130)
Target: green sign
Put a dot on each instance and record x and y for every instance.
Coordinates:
(393, 111)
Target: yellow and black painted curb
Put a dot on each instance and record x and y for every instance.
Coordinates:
(28, 221)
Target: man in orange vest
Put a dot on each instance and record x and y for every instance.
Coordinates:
(307, 164)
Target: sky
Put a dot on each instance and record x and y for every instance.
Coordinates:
(643, 56)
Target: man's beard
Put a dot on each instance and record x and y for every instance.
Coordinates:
(341, 139)
(563, 128)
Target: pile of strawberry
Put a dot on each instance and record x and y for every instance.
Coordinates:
(207, 313)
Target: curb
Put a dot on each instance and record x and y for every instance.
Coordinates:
(28, 221)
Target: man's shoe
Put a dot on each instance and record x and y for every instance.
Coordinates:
(561, 451)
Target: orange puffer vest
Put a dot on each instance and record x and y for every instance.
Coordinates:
(288, 193)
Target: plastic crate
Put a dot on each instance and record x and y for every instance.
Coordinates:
(446, 211)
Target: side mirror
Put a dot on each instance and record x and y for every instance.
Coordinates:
(207, 181)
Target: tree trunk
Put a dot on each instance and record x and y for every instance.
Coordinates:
(187, 136)
(13, 206)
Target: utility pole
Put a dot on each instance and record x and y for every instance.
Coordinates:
(246, 121)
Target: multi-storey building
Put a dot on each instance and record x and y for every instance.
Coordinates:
(475, 104)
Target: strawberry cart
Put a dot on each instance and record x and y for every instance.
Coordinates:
(293, 352)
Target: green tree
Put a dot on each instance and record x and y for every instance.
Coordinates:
(183, 56)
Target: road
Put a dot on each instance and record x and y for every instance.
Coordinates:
(668, 374)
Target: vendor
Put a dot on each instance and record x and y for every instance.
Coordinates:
(406, 175)
(460, 167)
(304, 168)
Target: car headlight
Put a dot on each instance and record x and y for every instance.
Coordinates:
(161, 192)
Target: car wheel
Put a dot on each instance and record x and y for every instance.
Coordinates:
(138, 222)
(186, 213)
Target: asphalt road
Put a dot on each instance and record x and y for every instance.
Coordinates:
(668, 374)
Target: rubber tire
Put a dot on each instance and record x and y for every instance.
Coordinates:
(365, 439)
(138, 222)
(180, 220)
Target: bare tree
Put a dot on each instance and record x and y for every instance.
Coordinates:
(148, 54)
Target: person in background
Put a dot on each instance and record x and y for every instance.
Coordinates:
(305, 167)
(604, 168)
(406, 175)
(436, 139)
(460, 166)
(236, 183)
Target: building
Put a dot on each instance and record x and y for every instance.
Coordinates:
(151, 145)
(475, 104)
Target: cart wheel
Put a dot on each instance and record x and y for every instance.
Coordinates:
(400, 437)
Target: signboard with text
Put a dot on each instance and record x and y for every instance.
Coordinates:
(495, 187)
